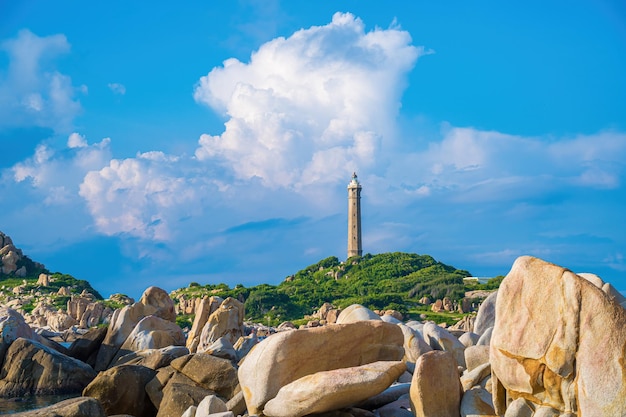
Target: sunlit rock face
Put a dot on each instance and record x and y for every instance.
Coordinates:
(559, 341)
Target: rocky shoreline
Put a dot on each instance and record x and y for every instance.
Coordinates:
(547, 343)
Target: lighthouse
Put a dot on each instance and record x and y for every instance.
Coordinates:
(354, 218)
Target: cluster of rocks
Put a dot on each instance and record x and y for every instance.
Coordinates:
(10, 257)
(328, 314)
(468, 304)
(547, 343)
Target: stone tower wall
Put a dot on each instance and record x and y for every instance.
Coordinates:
(354, 218)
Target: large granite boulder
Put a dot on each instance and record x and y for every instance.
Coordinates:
(558, 341)
(153, 358)
(210, 372)
(436, 387)
(121, 390)
(440, 339)
(178, 397)
(74, 407)
(414, 344)
(332, 390)
(85, 348)
(226, 321)
(206, 306)
(287, 356)
(356, 312)
(477, 402)
(151, 332)
(154, 301)
(486, 316)
(31, 368)
(12, 327)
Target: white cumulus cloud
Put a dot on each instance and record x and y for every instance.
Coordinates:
(55, 174)
(32, 92)
(309, 108)
(76, 140)
(139, 196)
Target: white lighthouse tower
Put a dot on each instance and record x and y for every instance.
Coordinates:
(354, 218)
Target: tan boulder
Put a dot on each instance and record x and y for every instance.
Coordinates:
(74, 407)
(222, 348)
(154, 388)
(206, 306)
(226, 321)
(437, 306)
(151, 332)
(441, 339)
(356, 312)
(60, 321)
(178, 397)
(486, 316)
(9, 262)
(43, 280)
(153, 358)
(154, 301)
(92, 315)
(245, 344)
(468, 339)
(558, 341)
(436, 388)
(322, 313)
(210, 404)
(474, 377)
(210, 372)
(465, 324)
(331, 390)
(520, 408)
(414, 344)
(12, 327)
(476, 356)
(477, 402)
(286, 356)
(121, 390)
(332, 316)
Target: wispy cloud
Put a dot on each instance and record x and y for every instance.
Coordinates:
(117, 88)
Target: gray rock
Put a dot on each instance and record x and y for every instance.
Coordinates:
(74, 407)
(477, 402)
(32, 368)
(486, 315)
(121, 390)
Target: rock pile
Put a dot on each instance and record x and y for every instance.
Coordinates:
(547, 343)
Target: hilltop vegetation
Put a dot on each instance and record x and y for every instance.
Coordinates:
(30, 292)
(384, 281)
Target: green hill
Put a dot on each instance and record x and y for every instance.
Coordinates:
(384, 281)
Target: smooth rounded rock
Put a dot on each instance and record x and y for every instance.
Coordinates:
(331, 390)
(356, 312)
(287, 356)
(436, 388)
(121, 390)
(486, 316)
(441, 339)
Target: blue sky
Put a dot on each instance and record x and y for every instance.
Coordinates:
(213, 141)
